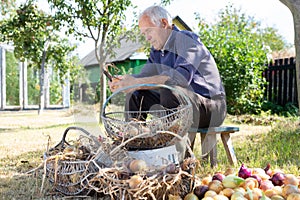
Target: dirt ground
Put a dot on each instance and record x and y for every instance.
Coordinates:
(25, 131)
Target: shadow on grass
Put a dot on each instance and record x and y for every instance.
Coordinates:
(15, 183)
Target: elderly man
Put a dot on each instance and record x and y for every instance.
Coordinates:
(178, 59)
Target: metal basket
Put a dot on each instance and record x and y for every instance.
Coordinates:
(66, 174)
(177, 120)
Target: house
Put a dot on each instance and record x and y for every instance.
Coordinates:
(127, 57)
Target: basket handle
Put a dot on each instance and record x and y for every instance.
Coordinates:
(63, 140)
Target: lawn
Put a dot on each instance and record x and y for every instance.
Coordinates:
(24, 136)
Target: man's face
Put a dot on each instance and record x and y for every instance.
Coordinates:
(156, 35)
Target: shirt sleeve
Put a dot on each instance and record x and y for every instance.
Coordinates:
(189, 53)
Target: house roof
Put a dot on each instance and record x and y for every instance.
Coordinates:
(126, 50)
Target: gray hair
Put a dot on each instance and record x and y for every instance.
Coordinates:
(156, 13)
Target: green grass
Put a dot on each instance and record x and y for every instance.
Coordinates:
(279, 147)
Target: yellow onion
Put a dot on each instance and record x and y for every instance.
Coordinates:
(135, 181)
(220, 197)
(289, 189)
(137, 166)
(232, 181)
(206, 180)
(277, 197)
(215, 185)
(207, 198)
(191, 196)
(293, 196)
(210, 193)
(291, 179)
(240, 189)
(250, 183)
(254, 194)
(278, 189)
(271, 192)
(258, 171)
(227, 192)
(237, 196)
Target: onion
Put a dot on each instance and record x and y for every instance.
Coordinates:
(250, 183)
(200, 191)
(137, 166)
(244, 172)
(294, 196)
(257, 178)
(218, 176)
(277, 197)
(215, 185)
(174, 197)
(289, 189)
(228, 192)
(220, 197)
(206, 180)
(268, 169)
(237, 195)
(278, 179)
(210, 193)
(240, 189)
(291, 179)
(270, 192)
(208, 198)
(266, 185)
(191, 196)
(135, 181)
(256, 194)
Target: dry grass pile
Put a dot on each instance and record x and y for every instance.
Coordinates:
(92, 165)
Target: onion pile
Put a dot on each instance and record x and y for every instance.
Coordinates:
(248, 184)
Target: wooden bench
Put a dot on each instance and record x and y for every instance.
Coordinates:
(209, 142)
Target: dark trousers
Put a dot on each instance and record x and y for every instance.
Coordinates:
(145, 100)
(206, 112)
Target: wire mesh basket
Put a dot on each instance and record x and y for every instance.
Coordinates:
(177, 120)
(67, 164)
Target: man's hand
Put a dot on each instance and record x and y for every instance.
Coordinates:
(121, 81)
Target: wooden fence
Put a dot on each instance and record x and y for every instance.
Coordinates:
(281, 85)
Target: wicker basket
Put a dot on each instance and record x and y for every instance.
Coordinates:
(177, 120)
(66, 171)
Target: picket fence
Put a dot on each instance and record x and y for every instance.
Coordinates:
(281, 79)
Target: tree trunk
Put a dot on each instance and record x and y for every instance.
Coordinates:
(294, 6)
(2, 79)
(42, 79)
(101, 57)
